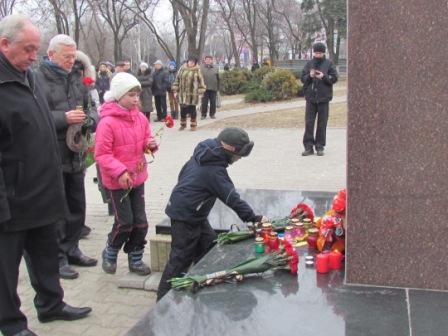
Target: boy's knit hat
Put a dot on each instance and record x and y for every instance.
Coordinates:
(236, 141)
(121, 84)
(319, 47)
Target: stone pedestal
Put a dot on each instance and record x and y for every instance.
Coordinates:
(160, 248)
(397, 176)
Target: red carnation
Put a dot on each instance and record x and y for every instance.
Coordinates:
(88, 81)
(169, 122)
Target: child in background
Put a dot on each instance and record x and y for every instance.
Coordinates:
(122, 137)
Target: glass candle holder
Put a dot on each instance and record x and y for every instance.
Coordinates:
(266, 231)
(259, 245)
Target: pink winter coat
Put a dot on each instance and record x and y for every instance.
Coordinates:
(120, 141)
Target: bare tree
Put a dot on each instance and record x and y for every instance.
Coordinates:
(247, 22)
(62, 24)
(227, 11)
(269, 19)
(119, 18)
(333, 15)
(194, 16)
(6, 7)
(291, 17)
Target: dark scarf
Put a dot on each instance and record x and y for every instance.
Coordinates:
(56, 68)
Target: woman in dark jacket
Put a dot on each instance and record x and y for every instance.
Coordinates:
(145, 77)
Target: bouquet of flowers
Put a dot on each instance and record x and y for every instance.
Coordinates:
(332, 225)
(285, 258)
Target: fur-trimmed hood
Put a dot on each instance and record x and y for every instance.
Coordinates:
(89, 69)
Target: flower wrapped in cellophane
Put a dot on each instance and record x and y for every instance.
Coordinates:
(286, 258)
(332, 225)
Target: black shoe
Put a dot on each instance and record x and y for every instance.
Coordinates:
(25, 332)
(66, 272)
(308, 152)
(213, 117)
(80, 259)
(320, 152)
(67, 313)
(85, 231)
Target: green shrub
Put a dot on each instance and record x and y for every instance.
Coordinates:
(233, 81)
(281, 83)
(258, 94)
(260, 73)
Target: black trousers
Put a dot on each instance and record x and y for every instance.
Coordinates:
(313, 110)
(189, 243)
(75, 218)
(41, 255)
(160, 102)
(186, 110)
(130, 225)
(209, 96)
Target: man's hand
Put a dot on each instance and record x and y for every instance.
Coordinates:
(125, 181)
(75, 117)
(312, 73)
(319, 74)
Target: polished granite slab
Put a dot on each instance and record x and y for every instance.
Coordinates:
(283, 304)
(272, 203)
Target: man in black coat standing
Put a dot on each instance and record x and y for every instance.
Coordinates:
(318, 77)
(31, 189)
(71, 107)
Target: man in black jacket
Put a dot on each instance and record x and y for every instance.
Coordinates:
(31, 189)
(71, 106)
(318, 77)
(202, 180)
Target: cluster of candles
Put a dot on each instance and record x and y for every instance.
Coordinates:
(297, 231)
(327, 261)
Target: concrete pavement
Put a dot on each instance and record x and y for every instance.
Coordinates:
(275, 163)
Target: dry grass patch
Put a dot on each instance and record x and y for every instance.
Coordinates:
(290, 118)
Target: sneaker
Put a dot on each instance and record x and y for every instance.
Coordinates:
(308, 152)
(320, 152)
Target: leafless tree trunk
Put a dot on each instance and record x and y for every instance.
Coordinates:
(195, 18)
(120, 19)
(60, 16)
(266, 15)
(6, 7)
(227, 11)
(247, 25)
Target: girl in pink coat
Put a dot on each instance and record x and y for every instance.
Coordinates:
(123, 135)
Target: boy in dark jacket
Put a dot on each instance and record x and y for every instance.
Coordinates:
(202, 180)
(318, 77)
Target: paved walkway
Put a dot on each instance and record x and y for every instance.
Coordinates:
(275, 163)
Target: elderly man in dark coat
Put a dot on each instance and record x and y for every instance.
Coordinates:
(31, 189)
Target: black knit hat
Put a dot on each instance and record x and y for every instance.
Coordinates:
(236, 141)
(319, 47)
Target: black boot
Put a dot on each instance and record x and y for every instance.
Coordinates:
(110, 259)
(174, 115)
(136, 264)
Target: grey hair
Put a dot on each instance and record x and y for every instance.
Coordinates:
(59, 40)
(12, 25)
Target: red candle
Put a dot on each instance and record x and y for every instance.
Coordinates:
(322, 263)
(335, 260)
(312, 242)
